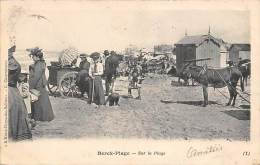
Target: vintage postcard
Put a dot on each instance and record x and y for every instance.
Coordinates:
(142, 82)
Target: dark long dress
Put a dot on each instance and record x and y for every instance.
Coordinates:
(41, 109)
(17, 114)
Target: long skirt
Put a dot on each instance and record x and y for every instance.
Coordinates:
(98, 96)
(42, 109)
(17, 117)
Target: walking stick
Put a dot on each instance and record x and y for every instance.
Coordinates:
(92, 95)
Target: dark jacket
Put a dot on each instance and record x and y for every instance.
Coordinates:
(41, 109)
(14, 69)
(84, 65)
(84, 71)
(111, 65)
(37, 75)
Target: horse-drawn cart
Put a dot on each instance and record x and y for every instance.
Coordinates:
(63, 80)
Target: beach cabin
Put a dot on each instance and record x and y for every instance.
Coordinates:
(239, 51)
(200, 47)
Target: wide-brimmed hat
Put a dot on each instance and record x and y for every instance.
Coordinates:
(83, 55)
(35, 52)
(95, 56)
(113, 52)
(106, 52)
(12, 49)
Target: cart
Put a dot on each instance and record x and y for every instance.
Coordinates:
(62, 80)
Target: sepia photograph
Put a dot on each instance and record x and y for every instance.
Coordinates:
(128, 73)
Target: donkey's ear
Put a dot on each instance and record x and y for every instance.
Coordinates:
(205, 66)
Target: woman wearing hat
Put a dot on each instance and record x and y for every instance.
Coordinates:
(17, 114)
(41, 108)
(96, 71)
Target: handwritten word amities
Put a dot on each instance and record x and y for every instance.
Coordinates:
(193, 152)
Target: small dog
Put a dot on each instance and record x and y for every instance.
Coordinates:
(113, 99)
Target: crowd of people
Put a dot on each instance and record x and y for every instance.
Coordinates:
(91, 74)
(28, 99)
(23, 114)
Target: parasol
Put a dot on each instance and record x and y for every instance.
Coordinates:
(67, 56)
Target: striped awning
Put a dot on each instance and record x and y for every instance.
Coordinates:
(68, 55)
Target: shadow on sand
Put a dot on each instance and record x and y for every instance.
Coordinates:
(195, 103)
(238, 114)
(244, 106)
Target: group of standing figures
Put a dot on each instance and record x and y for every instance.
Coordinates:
(90, 76)
(28, 100)
(22, 116)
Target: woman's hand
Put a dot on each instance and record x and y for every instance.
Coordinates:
(91, 76)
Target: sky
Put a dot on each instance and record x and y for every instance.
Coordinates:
(96, 29)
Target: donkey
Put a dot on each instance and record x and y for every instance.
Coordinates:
(217, 78)
(245, 68)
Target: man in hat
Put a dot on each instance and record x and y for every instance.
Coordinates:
(83, 77)
(106, 53)
(111, 65)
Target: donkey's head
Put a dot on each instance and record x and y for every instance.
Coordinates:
(186, 70)
(193, 71)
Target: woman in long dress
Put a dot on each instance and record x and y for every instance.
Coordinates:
(17, 114)
(96, 71)
(41, 109)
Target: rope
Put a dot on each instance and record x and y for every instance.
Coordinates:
(232, 88)
(222, 93)
(227, 93)
(243, 92)
(226, 97)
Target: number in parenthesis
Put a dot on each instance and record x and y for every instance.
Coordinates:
(246, 153)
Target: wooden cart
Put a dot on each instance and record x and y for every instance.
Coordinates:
(62, 80)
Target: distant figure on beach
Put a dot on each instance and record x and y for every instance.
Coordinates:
(134, 79)
(41, 108)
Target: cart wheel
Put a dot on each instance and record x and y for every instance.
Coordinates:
(52, 88)
(67, 85)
